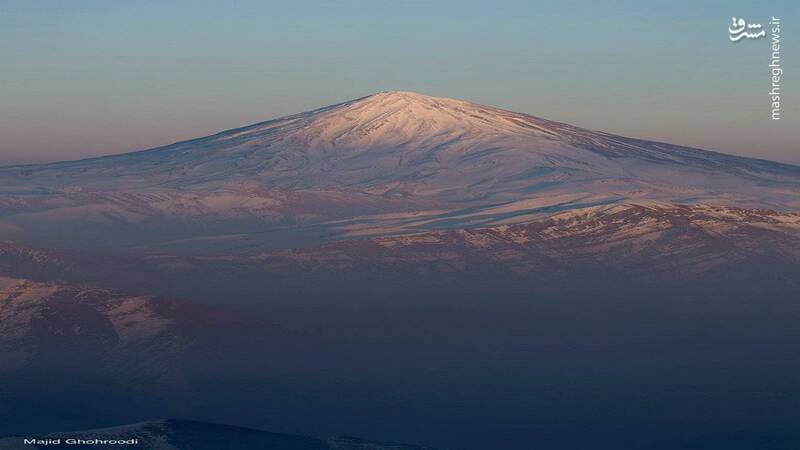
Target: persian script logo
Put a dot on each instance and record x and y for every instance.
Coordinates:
(740, 29)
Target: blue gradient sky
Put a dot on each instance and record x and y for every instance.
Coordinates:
(83, 78)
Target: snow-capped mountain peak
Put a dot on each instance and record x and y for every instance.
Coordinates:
(415, 144)
(393, 120)
(390, 152)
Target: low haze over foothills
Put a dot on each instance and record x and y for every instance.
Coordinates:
(408, 267)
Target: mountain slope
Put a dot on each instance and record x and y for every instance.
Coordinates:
(385, 153)
(114, 353)
(36, 315)
(392, 142)
(637, 242)
(643, 242)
